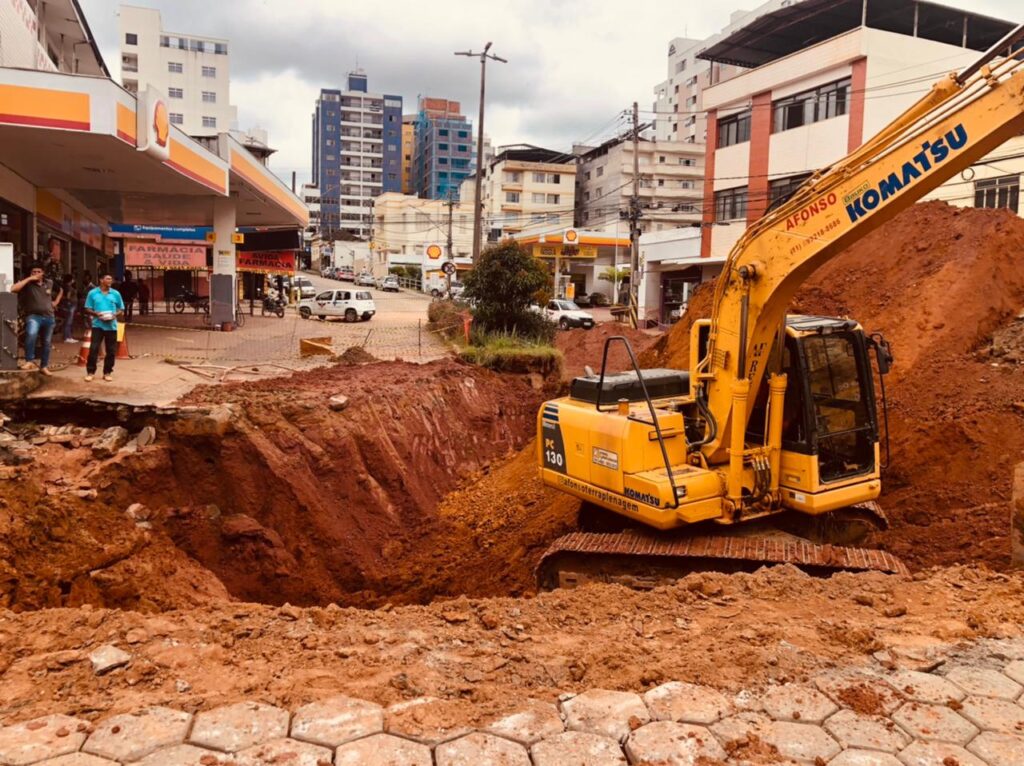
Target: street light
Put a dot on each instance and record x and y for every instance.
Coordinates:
(477, 202)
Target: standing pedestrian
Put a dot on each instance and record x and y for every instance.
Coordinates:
(103, 304)
(143, 297)
(37, 302)
(68, 305)
(54, 267)
(129, 289)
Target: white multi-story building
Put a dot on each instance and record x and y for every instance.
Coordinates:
(525, 190)
(310, 195)
(671, 184)
(192, 71)
(821, 77)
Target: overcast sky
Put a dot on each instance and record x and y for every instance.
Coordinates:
(574, 65)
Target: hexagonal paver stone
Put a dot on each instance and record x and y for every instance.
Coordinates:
(613, 714)
(532, 722)
(579, 748)
(1015, 670)
(741, 726)
(427, 720)
(77, 759)
(994, 714)
(860, 691)
(132, 736)
(925, 687)
(984, 682)
(383, 750)
(865, 758)
(337, 720)
(285, 751)
(937, 754)
(998, 749)
(188, 755)
(870, 732)
(673, 744)
(794, 702)
(801, 741)
(479, 748)
(936, 722)
(235, 727)
(686, 703)
(41, 738)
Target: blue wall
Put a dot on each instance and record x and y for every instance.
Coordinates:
(391, 175)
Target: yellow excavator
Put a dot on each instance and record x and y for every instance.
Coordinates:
(767, 449)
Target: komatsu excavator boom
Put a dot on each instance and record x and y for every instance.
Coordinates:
(776, 416)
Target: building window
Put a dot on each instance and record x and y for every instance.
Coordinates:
(661, 159)
(586, 176)
(209, 97)
(661, 182)
(460, 163)
(220, 49)
(600, 171)
(734, 130)
(175, 93)
(463, 147)
(175, 67)
(442, 160)
(512, 196)
(513, 177)
(209, 122)
(553, 199)
(686, 184)
(691, 101)
(781, 189)
(681, 66)
(998, 192)
(538, 198)
(330, 128)
(209, 71)
(815, 105)
(177, 118)
(130, 38)
(329, 142)
(442, 147)
(731, 204)
(442, 132)
(598, 191)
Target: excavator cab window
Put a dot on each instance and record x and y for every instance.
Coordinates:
(839, 409)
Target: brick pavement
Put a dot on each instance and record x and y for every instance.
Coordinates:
(969, 711)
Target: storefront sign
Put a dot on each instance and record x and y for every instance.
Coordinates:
(267, 261)
(181, 233)
(565, 251)
(162, 256)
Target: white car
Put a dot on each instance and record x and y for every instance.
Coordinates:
(350, 305)
(567, 314)
(306, 288)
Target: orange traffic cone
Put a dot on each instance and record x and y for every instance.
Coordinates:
(122, 345)
(83, 350)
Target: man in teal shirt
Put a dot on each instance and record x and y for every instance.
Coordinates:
(104, 304)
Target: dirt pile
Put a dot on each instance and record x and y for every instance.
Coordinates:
(279, 495)
(731, 631)
(586, 347)
(939, 282)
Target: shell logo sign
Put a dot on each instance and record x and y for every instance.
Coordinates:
(153, 125)
(434, 252)
(571, 237)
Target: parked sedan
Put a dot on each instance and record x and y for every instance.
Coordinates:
(389, 284)
(351, 305)
(366, 280)
(567, 314)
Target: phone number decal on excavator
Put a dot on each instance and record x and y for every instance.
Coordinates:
(932, 153)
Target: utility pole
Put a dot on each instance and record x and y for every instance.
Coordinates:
(451, 254)
(478, 202)
(634, 225)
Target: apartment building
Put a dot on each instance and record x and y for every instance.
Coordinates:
(49, 37)
(310, 195)
(357, 154)
(192, 71)
(815, 85)
(671, 181)
(444, 149)
(525, 190)
(679, 104)
(408, 150)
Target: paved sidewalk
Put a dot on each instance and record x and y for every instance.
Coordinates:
(964, 709)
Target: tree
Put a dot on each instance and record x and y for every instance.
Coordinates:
(501, 287)
(616, 277)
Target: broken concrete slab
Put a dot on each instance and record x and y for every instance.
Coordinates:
(610, 713)
(110, 441)
(132, 736)
(107, 658)
(235, 727)
(337, 720)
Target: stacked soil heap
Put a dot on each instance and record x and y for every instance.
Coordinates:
(938, 282)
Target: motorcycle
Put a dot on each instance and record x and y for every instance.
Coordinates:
(272, 306)
(188, 298)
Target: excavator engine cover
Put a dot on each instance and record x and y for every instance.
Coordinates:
(661, 384)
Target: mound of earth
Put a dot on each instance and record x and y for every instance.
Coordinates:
(582, 348)
(939, 282)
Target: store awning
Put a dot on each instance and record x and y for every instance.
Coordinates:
(78, 133)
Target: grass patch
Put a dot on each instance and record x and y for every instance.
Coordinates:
(509, 352)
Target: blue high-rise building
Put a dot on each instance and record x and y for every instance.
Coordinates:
(357, 154)
(444, 149)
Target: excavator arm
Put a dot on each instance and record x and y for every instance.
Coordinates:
(961, 120)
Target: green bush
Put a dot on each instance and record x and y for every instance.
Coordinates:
(501, 287)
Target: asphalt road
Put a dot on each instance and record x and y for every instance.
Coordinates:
(394, 309)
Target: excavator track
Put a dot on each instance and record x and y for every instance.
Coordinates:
(644, 560)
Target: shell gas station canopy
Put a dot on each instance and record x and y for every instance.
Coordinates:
(118, 155)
